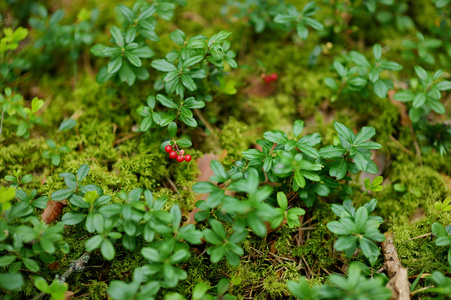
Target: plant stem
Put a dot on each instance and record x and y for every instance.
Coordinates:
(1, 123)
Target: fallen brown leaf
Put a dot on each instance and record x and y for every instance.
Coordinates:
(258, 88)
(54, 265)
(405, 119)
(52, 211)
(68, 295)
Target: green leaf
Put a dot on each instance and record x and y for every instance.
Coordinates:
(299, 179)
(163, 65)
(360, 59)
(11, 281)
(404, 96)
(302, 31)
(93, 243)
(313, 23)
(72, 218)
(166, 101)
(377, 51)
(276, 136)
(344, 243)
(126, 74)
(172, 128)
(178, 37)
(380, 89)
(345, 134)
(184, 143)
(282, 200)
(107, 249)
(191, 61)
(332, 152)
(145, 124)
(257, 226)
(133, 58)
(61, 194)
(56, 159)
(422, 74)
(364, 135)
(419, 100)
(188, 82)
(212, 237)
(436, 106)
(67, 124)
(117, 36)
(444, 85)
(82, 172)
(7, 260)
(31, 265)
(361, 217)
(130, 35)
(188, 121)
(127, 12)
(331, 83)
(218, 169)
(284, 18)
(339, 169)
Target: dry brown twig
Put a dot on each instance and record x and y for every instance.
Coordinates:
(74, 266)
(399, 283)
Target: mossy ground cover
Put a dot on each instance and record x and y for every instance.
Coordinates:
(121, 158)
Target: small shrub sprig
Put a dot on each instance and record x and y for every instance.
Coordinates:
(362, 74)
(278, 16)
(426, 96)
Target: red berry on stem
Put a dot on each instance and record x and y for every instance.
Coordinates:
(273, 77)
(182, 152)
(172, 154)
(187, 157)
(268, 79)
(180, 158)
(168, 148)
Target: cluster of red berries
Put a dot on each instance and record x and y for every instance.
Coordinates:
(173, 154)
(269, 78)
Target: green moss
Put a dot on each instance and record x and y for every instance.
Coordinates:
(424, 187)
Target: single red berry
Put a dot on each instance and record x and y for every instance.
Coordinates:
(168, 148)
(187, 157)
(172, 154)
(268, 79)
(182, 152)
(180, 158)
(273, 77)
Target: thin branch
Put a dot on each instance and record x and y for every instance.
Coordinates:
(1, 123)
(417, 146)
(401, 146)
(200, 115)
(74, 266)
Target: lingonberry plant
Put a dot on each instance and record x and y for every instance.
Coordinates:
(278, 15)
(426, 96)
(355, 77)
(10, 62)
(279, 213)
(17, 115)
(357, 229)
(355, 286)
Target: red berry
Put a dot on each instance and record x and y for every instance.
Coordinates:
(187, 157)
(182, 152)
(172, 154)
(168, 148)
(180, 158)
(267, 79)
(273, 77)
